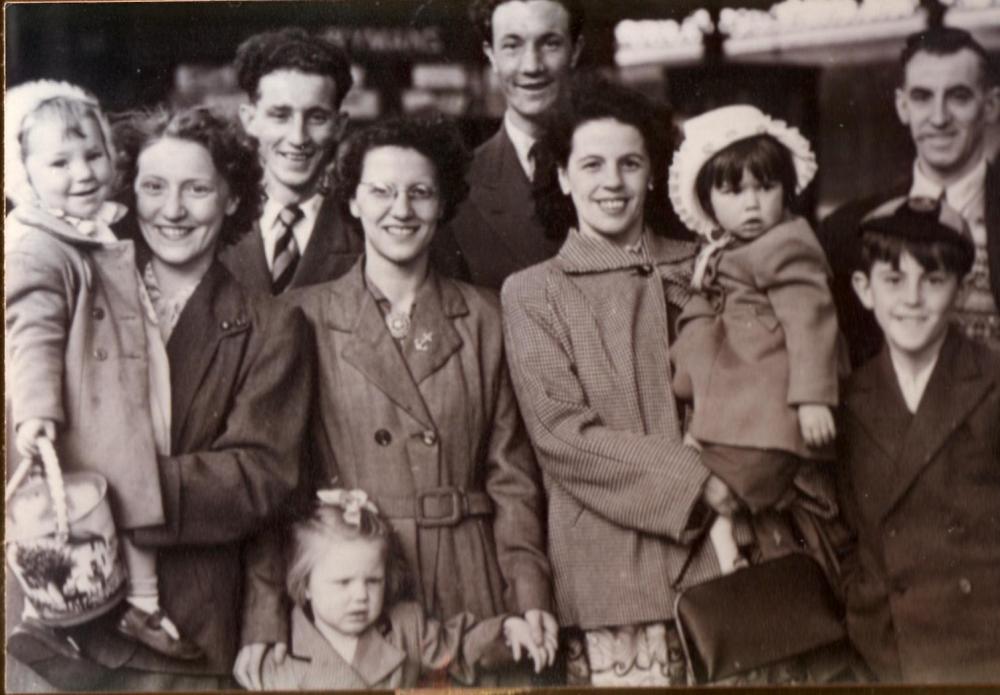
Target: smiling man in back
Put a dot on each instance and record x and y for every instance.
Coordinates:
(532, 46)
(296, 83)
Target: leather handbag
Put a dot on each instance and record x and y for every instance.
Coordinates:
(757, 616)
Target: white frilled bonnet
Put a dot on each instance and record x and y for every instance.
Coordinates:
(711, 132)
(19, 103)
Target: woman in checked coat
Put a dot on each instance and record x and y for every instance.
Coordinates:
(587, 334)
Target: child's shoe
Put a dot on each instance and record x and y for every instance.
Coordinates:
(148, 629)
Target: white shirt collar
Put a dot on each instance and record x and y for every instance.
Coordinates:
(522, 144)
(959, 195)
(913, 387)
(303, 228)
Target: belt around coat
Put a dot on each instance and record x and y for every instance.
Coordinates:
(440, 506)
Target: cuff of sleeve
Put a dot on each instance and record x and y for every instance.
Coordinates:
(170, 484)
(532, 590)
(265, 622)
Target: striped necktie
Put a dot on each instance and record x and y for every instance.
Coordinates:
(286, 251)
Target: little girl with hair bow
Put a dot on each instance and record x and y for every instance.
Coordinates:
(349, 630)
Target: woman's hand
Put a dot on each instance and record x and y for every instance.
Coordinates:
(544, 632)
(816, 423)
(517, 634)
(29, 431)
(719, 497)
(250, 663)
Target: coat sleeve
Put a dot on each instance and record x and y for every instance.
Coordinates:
(265, 605)
(225, 492)
(39, 307)
(514, 484)
(458, 646)
(651, 483)
(793, 274)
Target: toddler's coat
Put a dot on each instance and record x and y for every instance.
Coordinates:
(393, 654)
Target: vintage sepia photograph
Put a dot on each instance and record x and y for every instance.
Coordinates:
(504, 344)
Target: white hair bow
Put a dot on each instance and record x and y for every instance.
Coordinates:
(351, 501)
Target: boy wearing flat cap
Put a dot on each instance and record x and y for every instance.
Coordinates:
(920, 459)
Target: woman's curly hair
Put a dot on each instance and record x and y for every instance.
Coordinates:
(233, 152)
(434, 136)
(590, 97)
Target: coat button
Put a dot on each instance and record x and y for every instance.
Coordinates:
(382, 437)
(892, 533)
(965, 586)
(100, 354)
(430, 437)
(97, 313)
(225, 325)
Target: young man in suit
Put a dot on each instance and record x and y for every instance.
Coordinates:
(296, 83)
(947, 98)
(532, 46)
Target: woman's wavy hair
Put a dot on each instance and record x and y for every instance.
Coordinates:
(312, 536)
(233, 152)
(432, 135)
(591, 97)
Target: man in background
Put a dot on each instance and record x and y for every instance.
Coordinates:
(532, 46)
(948, 96)
(296, 83)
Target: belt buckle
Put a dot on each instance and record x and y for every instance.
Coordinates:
(453, 517)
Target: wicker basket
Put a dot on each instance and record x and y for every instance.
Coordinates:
(61, 542)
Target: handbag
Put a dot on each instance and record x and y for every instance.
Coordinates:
(757, 616)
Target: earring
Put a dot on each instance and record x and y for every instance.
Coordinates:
(650, 185)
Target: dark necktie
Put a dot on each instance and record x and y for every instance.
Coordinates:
(286, 251)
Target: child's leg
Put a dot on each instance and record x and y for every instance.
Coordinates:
(150, 626)
(759, 477)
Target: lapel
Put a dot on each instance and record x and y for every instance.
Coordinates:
(433, 338)
(502, 192)
(350, 308)
(246, 261)
(993, 225)
(376, 657)
(955, 388)
(876, 403)
(374, 660)
(333, 237)
(216, 310)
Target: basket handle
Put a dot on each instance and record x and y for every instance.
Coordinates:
(53, 475)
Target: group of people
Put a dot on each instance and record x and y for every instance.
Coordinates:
(336, 459)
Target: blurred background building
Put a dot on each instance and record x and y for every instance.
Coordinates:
(827, 66)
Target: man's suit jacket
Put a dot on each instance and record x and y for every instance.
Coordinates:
(838, 235)
(495, 231)
(335, 244)
(923, 493)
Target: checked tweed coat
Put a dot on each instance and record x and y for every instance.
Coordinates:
(587, 340)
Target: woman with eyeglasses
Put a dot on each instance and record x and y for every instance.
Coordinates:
(415, 406)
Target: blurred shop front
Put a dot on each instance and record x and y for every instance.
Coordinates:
(827, 66)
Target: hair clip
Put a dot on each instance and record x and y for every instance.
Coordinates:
(351, 501)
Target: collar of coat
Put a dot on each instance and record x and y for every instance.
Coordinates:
(957, 385)
(110, 214)
(374, 660)
(583, 254)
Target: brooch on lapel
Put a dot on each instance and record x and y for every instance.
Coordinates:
(423, 342)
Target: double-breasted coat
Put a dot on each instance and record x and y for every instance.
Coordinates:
(333, 248)
(588, 343)
(772, 347)
(240, 374)
(922, 491)
(435, 439)
(495, 231)
(76, 343)
(393, 653)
